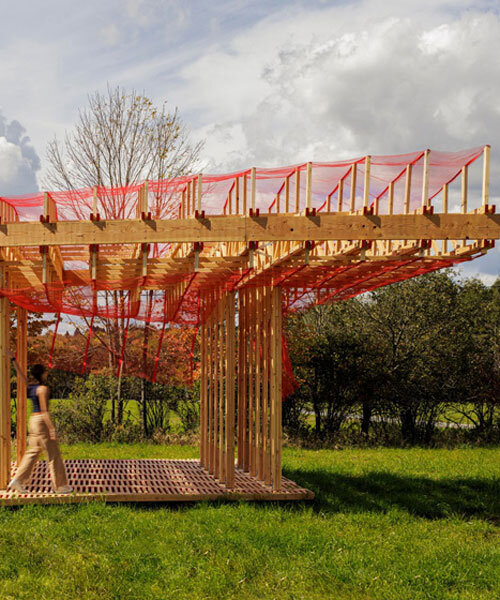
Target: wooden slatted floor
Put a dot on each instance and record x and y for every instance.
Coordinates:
(145, 480)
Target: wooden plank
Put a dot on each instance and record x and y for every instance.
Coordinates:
(22, 360)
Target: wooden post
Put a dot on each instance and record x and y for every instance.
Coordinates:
(287, 194)
(199, 193)
(340, 194)
(486, 176)
(425, 179)
(4, 390)
(407, 189)
(22, 360)
(465, 184)
(276, 391)
(308, 185)
(353, 188)
(445, 210)
(366, 194)
(297, 189)
(94, 202)
(252, 188)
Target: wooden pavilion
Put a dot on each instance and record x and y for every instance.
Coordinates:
(235, 253)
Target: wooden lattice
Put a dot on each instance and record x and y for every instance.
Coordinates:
(146, 480)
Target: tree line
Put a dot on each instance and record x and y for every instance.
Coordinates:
(399, 364)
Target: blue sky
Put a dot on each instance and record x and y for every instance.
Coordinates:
(263, 82)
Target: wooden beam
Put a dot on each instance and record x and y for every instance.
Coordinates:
(240, 228)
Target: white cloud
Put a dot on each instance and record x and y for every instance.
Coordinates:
(371, 77)
(19, 161)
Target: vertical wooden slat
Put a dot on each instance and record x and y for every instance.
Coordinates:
(230, 390)
(22, 359)
(265, 392)
(258, 382)
(241, 376)
(4, 390)
(221, 340)
(244, 417)
(251, 381)
(276, 391)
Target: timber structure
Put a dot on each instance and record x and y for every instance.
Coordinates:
(229, 255)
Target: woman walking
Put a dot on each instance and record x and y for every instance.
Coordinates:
(42, 437)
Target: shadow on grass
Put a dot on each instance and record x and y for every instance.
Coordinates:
(380, 491)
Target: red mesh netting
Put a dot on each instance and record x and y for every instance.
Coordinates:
(125, 295)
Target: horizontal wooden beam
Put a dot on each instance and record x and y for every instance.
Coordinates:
(240, 228)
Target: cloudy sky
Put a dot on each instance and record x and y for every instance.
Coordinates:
(266, 82)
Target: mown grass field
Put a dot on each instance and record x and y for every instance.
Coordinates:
(385, 524)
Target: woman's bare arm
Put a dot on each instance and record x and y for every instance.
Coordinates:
(18, 369)
(43, 397)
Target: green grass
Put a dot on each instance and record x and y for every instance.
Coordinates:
(385, 524)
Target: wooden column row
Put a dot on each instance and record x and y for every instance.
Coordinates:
(217, 401)
(259, 384)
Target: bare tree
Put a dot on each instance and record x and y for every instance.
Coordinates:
(120, 138)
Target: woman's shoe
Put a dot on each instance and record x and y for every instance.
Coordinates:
(64, 489)
(17, 486)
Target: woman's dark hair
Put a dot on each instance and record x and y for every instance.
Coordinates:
(37, 371)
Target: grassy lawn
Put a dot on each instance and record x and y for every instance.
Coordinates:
(385, 524)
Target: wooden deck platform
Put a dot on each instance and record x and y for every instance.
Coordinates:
(145, 480)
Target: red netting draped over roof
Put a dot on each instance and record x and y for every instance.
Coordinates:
(170, 292)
